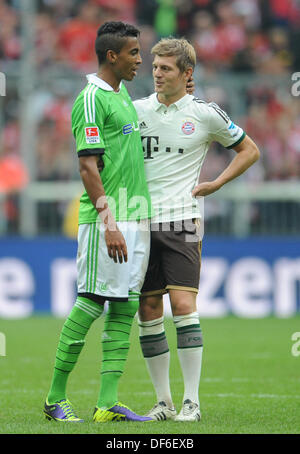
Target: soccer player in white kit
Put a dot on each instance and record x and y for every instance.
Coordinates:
(177, 130)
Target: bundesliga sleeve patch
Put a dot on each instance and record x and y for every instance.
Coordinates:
(234, 130)
(92, 135)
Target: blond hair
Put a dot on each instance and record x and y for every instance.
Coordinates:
(180, 48)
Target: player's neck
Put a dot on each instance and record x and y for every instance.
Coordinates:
(167, 100)
(109, 78)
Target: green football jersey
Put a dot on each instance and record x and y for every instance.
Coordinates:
(105, 123)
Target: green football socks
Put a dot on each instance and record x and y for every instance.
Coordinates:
(115, 346)
(71, 342)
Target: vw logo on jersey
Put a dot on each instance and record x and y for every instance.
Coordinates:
(188, 128)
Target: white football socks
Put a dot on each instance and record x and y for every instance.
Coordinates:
(159, 363)
(157, 355)
(189, 349)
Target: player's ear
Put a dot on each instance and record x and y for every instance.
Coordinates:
(111, 56)
(188, 73)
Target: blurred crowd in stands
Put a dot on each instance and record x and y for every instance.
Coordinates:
(239, 39)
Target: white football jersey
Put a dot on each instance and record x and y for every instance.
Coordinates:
(175, 142)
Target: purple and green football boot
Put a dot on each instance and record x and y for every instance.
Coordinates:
(119, 412)
(61, 411)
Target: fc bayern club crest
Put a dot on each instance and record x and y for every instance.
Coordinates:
(188, 128)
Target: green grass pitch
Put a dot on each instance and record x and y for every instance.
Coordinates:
(250, 381)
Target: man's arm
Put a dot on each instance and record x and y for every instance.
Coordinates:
(89, 172)
(247, 154)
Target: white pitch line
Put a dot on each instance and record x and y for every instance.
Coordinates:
(259, 396)
(264, 355)
(212, 380)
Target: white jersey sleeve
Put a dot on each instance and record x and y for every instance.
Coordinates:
(221, 129)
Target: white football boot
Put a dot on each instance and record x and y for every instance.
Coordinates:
(161, 412)
(190, 412)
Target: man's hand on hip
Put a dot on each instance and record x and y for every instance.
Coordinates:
(205, 188)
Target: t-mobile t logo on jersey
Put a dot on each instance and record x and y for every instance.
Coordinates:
(149, 146)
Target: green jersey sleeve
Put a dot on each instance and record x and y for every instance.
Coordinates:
(87, 124)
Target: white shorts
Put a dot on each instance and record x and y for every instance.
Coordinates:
(97, 273)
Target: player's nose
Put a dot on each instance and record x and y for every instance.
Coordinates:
(139, 59)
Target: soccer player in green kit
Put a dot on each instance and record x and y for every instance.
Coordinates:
(114, 233)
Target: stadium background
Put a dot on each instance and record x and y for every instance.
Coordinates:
(248, 56)
(249, 300)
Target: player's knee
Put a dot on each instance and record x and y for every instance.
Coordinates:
(189, 333)
(151, 307)
(182, 307)
(182, 302)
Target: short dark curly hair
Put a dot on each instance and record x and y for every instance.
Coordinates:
(112, 36)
